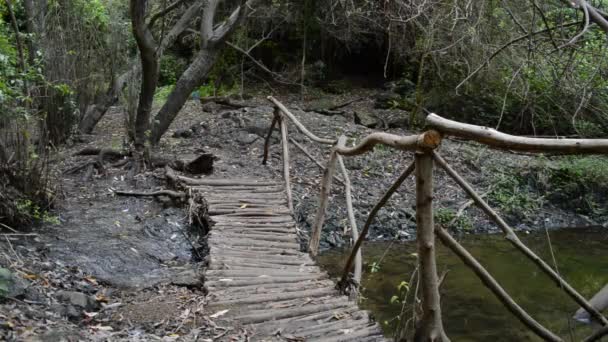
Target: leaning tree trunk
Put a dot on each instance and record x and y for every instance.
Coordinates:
(95, 112)
(187, 83)
(150, 69)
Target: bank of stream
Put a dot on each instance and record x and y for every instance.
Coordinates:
(470, 310)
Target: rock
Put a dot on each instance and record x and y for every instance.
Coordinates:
(208, 107)
(245, 138)
(183, 133)
(366, 119)
(77, 299)
(404, 87)
(11, 285)
(387, 100)
(202, 164)
(189, 278)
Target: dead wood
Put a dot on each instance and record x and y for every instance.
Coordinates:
(516, 242)
(224, 101)
(494, 286)
(169, 193)
(333, 110)
(500, 140)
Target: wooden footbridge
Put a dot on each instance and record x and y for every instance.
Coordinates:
(259, 279)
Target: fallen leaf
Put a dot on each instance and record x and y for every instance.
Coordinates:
(90, 280)
(244, 206)
(219, 313)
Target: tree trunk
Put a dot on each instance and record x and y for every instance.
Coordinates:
(150, 69)
(430, 326)
(95, 112)
(190, 79)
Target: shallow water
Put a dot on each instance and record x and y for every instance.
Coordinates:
(470, 310)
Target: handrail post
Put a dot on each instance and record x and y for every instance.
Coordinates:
(328, 175)
(430, 326)
(286, 173)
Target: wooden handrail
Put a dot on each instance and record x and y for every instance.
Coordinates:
(505, 141)
(298, 124)
(426, 141)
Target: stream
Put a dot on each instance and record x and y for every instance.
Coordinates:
(470, 310)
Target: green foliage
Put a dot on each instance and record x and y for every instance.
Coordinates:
(374, 267)
(27, 208)
(575, 183)
(171, 68)
(513, 196)
(444, 217)
(162, 93)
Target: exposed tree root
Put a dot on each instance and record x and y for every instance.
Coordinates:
(137, 162)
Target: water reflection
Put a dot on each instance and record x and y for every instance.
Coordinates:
(470, 310)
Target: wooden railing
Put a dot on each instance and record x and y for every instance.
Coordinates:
(424, 146)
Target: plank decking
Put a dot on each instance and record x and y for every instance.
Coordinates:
(258, 274)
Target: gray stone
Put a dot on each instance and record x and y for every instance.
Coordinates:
(189, 278)
(245, 138)
(366, 119)
(386, 100)
(11, 285)
(77, 299)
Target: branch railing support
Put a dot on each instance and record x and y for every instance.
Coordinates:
(516, 242)
(286, 173)
(494, 286)
(342, 284)
(351, 218)
(328, 175)
(430, 325)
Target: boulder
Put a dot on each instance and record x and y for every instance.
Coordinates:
(245, 138)
(77, 300)
(366, 119)
(11, 285)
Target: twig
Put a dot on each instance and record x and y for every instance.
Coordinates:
(9, 228)
(169, 193)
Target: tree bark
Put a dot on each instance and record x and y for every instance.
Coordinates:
(95, 112)
(430, 326)
(150, 68)
(190, 79)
